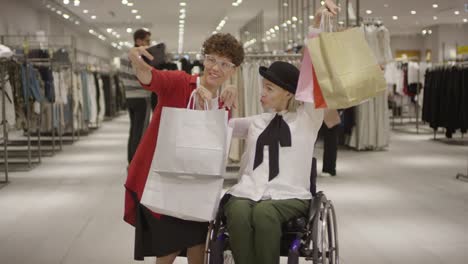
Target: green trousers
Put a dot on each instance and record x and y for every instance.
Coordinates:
(255, 227)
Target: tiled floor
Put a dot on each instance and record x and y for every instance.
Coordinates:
(398, 206)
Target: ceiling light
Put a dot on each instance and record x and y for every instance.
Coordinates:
(146, 29)
(235, 4)
(93, 17)
(272, 30)
(322, 2)
(109, 30)
(66, 16)
(130, 4)
(86, 11)
(294, 18)
(129, 30)
(386, 5)
(138, 17)
(293, 26)
(76, 3)
(435, 5)
(124, 2)
(53, 9)
(413, 12)
(66, 2)
(341, 23)
(268, 38)
(285, 4)
(117, 36)
(289, 22)
(429, 32)
(311, 17)
(214, 32)
(395, 17)
(182, 16)
(114, 44)
(368, 12)
(114, 33)
(154, 42)
(456, 12)
(48, 6)
(59, 12)
(273, 35)
(435, 18)
(465, 20)
(268, 33)
(424, 32)
(181, 21)
(182, 10)
(182, 4)
(276, 28)
(134, 11)
(91, 31)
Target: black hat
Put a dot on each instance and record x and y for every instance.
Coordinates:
(283, 74)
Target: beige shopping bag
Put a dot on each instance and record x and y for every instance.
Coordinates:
(346, 69)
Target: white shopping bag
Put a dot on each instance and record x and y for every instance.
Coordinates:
(184, 197)
(186, 175)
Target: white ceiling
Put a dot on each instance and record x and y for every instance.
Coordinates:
(203, 16)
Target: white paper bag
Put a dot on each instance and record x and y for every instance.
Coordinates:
(186, 176)
(184, 197)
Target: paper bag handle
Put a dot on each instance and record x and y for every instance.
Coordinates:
(193, 99)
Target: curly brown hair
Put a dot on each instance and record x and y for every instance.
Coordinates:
(225, 45)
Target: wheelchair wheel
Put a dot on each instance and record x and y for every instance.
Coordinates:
(216, 248)
(329, 245)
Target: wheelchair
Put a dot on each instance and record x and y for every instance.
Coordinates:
(314, 238)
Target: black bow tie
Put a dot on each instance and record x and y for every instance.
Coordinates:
(275, 134)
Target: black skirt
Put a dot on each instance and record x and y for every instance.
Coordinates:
(161, 237)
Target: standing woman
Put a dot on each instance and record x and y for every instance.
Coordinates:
(163, 236)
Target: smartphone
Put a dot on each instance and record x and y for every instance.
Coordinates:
(159, 55)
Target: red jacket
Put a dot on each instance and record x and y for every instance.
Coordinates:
(173, 89)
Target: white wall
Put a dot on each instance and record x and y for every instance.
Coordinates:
(443, 41)
(22, 17)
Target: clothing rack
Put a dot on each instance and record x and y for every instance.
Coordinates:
(24, 43)
(4, 120)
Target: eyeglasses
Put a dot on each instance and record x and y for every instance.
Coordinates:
(225, 66)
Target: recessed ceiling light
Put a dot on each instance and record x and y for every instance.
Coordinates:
(289, 22)
(465, 20)
(368, 12)
(76, 2)
(66, 16)
(272, 30)
(109, 30)
(285, 4)
(341, 22)
(395, 17)
(59, 12)
(93, 17)
(91, 31)
(311, 17)
(435, 6)
(117, 36)
(138, 17)
(114, 33)
(129, 30)
(322, 2)
(429, 32)
(53, 9)
(413, 12)
(182, 4)
(276, 28)
(294, 18)
(435, 18)
(77, 22)
(424, 32)
(48, 6)
(130, 4)
(86, 11)
(66, 2)
(134, 11)
(456, 12)
(124, 2)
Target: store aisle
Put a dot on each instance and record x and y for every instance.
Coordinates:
(392, 207)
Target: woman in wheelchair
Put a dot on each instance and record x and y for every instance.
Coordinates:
(275, 170)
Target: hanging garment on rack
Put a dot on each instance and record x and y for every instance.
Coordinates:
(77, 95)
(446, 99)
(372, 130)
(31, 86)
(15, 76)
(85, 96)
(48, 79)
(10, 115)
(378, 38)
(101, 102)
(253, 85)
(93, 96)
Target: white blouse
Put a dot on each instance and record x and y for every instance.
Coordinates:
(295, 162)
